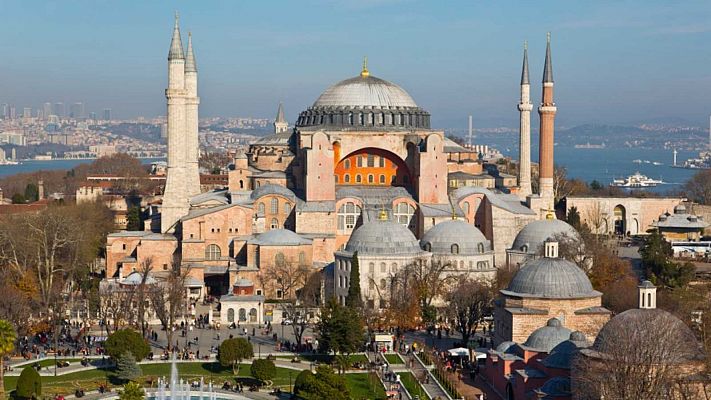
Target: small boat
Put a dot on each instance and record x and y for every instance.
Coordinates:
(657, 163)
(636, 180)
(647, 162)
(638, 161)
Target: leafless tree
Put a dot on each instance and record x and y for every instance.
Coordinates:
(698, 188)
(428, 280)
(142, 293)
(168, 300)
(595, 218)
(468, 304)
(638, 358)
(307, 299)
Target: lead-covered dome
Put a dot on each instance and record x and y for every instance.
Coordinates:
(383, 237)
(546, 338)
(441, 239)
(365, 91)
(550, 278)
(533, 235)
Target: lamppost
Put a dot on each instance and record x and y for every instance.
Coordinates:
(290, 389)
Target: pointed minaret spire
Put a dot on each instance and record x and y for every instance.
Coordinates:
(280, 124)
(190, 65)
(548, 67)
(176, 44)
(280, 113)
(524, 70)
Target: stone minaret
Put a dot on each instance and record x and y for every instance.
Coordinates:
(182, 134)
(191, 122)
(647, 295)
(524, 143)
(280, 124)
(547, 112)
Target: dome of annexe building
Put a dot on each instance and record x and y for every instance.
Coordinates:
(531, 238)
(383, 238)
(364, 102)
(544, 339)
(279, 237)
(448, 235)
(550, 278)
(561, 356)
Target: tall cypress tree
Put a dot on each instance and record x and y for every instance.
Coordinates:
(354, 300)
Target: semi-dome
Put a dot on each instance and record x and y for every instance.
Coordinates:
(441, 238)
(640, 328)
(550, 278)
(279, 237)
(533, 235)
(383, 237)
(546, 338)
(365, 91)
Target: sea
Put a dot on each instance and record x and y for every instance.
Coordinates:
(602, 165)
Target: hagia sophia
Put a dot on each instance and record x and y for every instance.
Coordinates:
(363, 174)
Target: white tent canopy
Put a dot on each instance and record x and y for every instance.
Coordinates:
(458, 352)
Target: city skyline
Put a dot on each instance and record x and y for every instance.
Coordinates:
(614, 63)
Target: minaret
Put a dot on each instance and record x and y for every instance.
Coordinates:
(647, 295)
(280, 124)
(547, 112)
(175, 198)
(192, 148)
(524, 141)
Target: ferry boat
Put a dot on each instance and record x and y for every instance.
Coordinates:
(636, 180)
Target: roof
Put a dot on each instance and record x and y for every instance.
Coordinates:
(176, 44)
(316, 206)
(280, 114)
(199, 212)
(279, 139)
(279, 237)
(544, 339)
(510, 203)
(243, 283)
(232, 297)
(466, 236)
(561, 356)
(555, 388)
(191, 281)
(268, 189)
(450, 146)
(383, 237)
(548, 67)
(680, 220)
(372, 194)
(190, 64)
(219, 196)
(524, 69)
(439, 210)
(550, 278)
(136, 278)
(535, 233)
(365, 91)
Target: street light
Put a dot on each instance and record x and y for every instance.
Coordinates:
(290, 389)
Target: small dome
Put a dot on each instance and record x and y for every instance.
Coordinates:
(135, 278)
(550, 278)
(546, 338)
(440, 238)
(561, 356)
(279, 237)
(383, 237)
(533, 235)
(680, 209)
(558, 386)
(623, 331)
(503, 347)
(365, 91)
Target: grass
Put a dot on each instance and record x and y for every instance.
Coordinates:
(408, 380)
(326, 358)
(362, 386)
(90, 380)
(49, 362)
(394, 358)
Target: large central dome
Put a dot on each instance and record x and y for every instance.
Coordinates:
(365, 91)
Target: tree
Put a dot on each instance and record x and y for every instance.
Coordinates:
(595, 185)
(656, 253)
(31, 192)
(469, 303)
(133, 217)
(263, 370)
(698, 188)
(168, 300)
(307, 299)
(354, 298)
(29, 385)
(232, 351)
(18, 198)
(7, 345)
(132, 391)
(324, 384)
(573, 218)
(340, 329)
(126, 367)
(127, 340)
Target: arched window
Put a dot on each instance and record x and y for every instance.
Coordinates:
(403, 214)
(242, 314)
(461, 264)
(274, 206)
(383, 268)
(428, 246)
(212, 252)
(381, 162)
(253, 315)
(480, 247)
(371, 179)
(287, 208)
(371, 160)
(279, 259)
(231, 315)
(347, 216)
(393, 268)
(274, 224)
(371, 268)
(261, 208)
(350, 118)
(465, 208)
(358, 179)
(347, 164)
(302, 258)
(347, 178)
(382, 179)
(524, 248)
(359, 161)
(241, 186)
(455, 249)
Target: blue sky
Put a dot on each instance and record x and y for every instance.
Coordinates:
(614, 61)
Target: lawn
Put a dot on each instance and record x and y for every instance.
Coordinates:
(90, 380)
(394, 358)
(49, 362)
(412, 386)
(326, 358)
(361, 386)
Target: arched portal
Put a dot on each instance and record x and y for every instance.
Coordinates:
(375, 167)
(620, 218)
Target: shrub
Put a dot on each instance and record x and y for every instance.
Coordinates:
(232, 351)
(263, 370)
(126, 367)
(29, 385)
(132, 391)
(127, 340)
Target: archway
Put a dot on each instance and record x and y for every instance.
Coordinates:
(231, 315)
(242, 315)
(253, 315)
(372, 167)
(620, 219)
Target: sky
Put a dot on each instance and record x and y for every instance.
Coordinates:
(615, 62)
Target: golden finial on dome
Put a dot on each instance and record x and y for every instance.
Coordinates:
(364, 72)
(549, 215)
(383, 216)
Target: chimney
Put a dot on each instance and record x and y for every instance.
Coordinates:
(40, 189)
(647, 295)
(551, 249)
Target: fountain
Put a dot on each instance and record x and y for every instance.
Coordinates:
(182, 390)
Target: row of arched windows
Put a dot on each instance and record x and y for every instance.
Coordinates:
(416, 119)
(273, 207)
